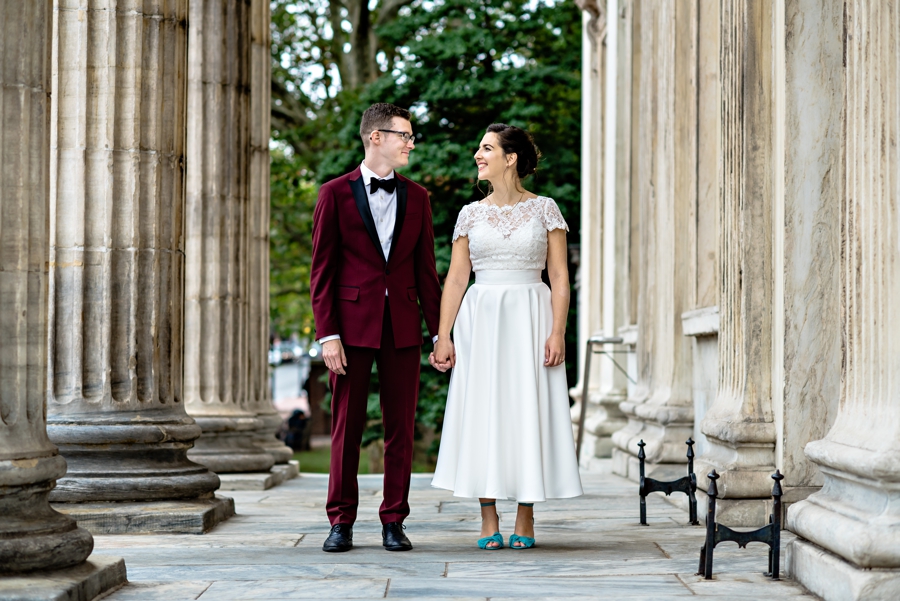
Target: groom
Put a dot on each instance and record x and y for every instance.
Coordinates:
(372, 268)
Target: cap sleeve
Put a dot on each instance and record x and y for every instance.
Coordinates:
(552, 217)
(463, 223)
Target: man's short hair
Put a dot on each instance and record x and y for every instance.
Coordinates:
(379, 116)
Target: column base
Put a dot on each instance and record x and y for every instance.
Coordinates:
(228, 445)
(736, 513)
(746, 513)
(261, 480)
(131, 457)
(835, 579)
(628, 466)
(625, 464)
(266, 440)
(32, 535)
(190, 516)
(87, 581)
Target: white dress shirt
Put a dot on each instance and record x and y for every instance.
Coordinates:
(384, 211)
(383, 207)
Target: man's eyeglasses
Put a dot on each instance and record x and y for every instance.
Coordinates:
(406, 137)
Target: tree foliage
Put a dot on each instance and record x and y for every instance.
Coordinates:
(458, 65)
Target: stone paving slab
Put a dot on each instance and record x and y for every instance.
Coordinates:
(84, 582)
(590, 547)
(189, 516)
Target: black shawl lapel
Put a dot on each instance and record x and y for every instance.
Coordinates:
(401, 213)
(362, 205)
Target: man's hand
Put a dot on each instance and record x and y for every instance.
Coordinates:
(555, 350)
(333, 354)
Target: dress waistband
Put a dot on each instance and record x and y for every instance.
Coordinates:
(508, 276)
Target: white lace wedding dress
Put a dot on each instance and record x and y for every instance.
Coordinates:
(507, 431)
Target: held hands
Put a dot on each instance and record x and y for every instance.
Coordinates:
(444, 355)
(333, 354)
(554, 350)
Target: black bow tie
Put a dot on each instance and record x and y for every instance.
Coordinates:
(388, 185)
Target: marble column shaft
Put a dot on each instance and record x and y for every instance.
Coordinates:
(220, 243)
(613, 207)
(660, 411)
(258, 393)
(117, 256)
(740, 424)
(856, 515)
(32, 535)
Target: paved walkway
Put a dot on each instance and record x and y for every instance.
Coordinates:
(589, 548)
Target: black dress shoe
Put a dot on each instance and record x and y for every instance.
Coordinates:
(393, 537)
(340, 539)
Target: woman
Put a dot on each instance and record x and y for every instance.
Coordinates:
(507, 432)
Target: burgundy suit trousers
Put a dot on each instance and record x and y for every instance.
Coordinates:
(398, 374)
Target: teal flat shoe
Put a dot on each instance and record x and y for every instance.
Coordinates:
(526, 541)
(494, 538)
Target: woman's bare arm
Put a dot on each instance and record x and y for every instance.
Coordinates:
(558, 270)
(454, 289)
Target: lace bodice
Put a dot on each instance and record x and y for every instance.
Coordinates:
(509, 237)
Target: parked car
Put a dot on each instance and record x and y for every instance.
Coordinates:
(287, 352)
(274, 357)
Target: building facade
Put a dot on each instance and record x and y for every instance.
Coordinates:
(741, 235)
(133, 271)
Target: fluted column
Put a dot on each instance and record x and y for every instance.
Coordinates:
(259, 396)
(220, 241)
(855, 518)
(660, 411)
(739, 425)
(588, 277)
(117, 255)
(608, 281)
(32, 535)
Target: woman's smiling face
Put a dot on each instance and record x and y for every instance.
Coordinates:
(490, 159)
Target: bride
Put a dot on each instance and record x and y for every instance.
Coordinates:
(507, 432)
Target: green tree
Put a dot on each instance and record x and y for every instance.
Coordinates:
(459, 65)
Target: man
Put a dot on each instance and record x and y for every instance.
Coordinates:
(372, 266)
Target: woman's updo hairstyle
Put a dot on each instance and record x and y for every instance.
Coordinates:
(518, 141)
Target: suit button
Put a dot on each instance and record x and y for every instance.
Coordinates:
(387, 272)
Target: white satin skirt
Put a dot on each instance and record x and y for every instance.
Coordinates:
(507, 430)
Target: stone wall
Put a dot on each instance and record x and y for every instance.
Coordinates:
(760, 139)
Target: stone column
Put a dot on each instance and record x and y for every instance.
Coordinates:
(615, 216)
(117, 263)
(588, 274)
(739, 425)
(850, 545)
(660, 411)
(218, 240)
(807, 312)
(32, 535)
(701, 323)
(258, 393)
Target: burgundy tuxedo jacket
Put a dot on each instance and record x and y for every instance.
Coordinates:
(350, 272)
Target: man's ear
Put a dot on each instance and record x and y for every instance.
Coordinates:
(375, 137)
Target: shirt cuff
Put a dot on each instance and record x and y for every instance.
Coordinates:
(434, 339)
(327, 338)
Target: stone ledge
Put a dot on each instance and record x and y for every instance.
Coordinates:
(249, 481)
(189, 516)
(835, 579)
(629, 334)
(290, 470)
(700, 322)
(279, 474)
(97, 576)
